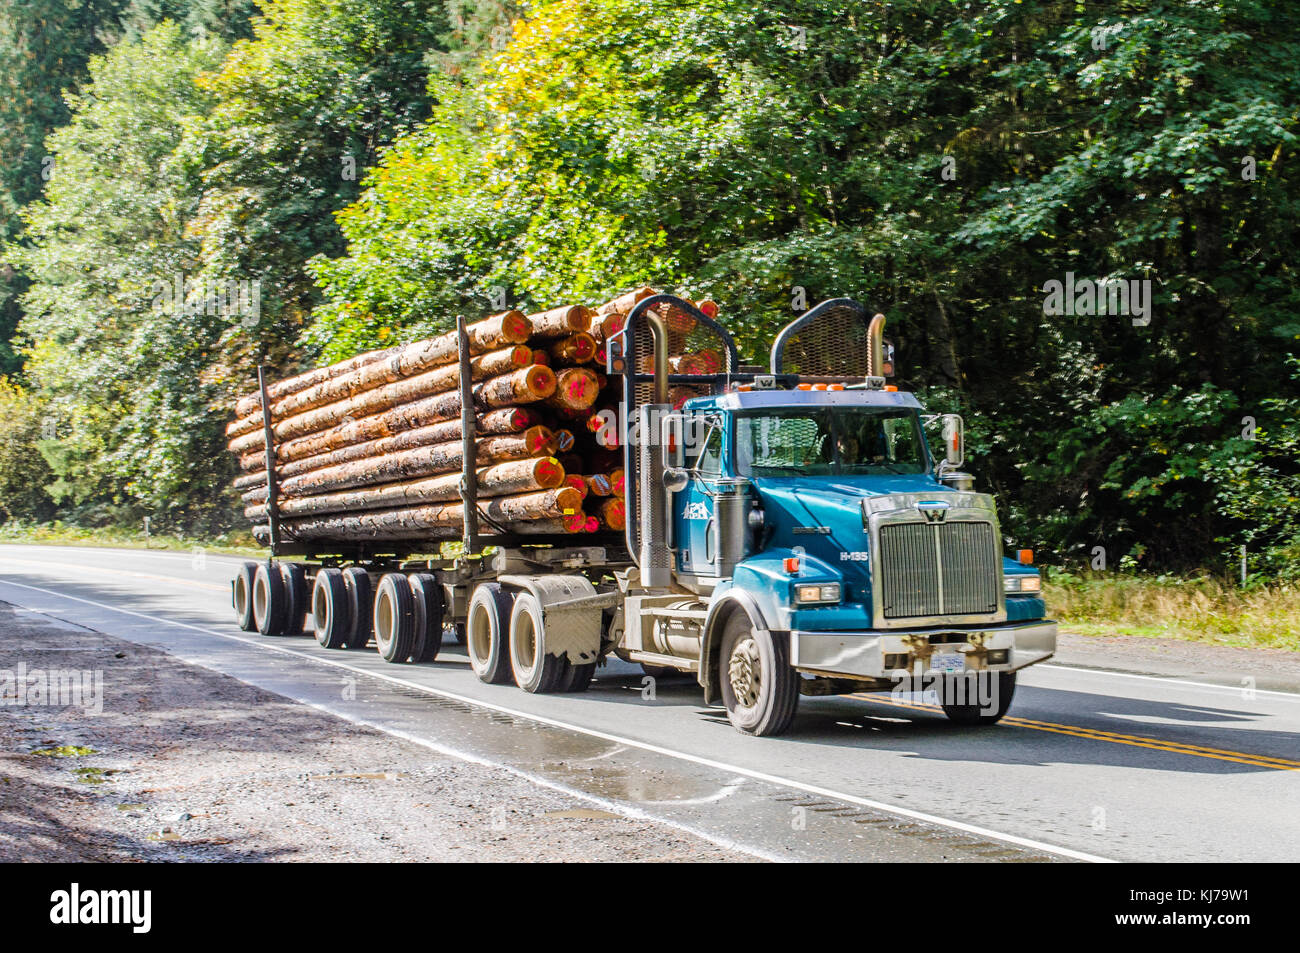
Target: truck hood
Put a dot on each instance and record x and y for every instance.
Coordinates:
(823, 515)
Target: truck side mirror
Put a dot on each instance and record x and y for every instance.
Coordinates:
(954, 440)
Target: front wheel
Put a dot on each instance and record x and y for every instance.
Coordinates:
(759, 688)
(979, 700)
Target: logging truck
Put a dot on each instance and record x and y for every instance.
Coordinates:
(788, 532)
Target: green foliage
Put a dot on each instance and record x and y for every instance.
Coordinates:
(119, 369)
(746, 152)
(299, 112)
(939, 161)
(23, 472)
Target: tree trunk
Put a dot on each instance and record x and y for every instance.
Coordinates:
(503, 421)
(561, 322)
(366, 371)
(417, 462)
(370, 402)
(428, 522)
(517, 476)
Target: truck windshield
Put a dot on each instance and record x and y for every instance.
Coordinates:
(838, 441)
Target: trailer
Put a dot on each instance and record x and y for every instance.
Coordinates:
(789, 532)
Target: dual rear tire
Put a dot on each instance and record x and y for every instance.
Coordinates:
(505, 638)
(408, 617)
(270, 598)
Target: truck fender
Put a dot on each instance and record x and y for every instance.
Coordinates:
(719, 610)
(571, 632)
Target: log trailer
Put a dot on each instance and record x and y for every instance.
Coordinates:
(789, 532)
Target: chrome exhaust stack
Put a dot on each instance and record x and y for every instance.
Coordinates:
(656, 558)
(876, 347)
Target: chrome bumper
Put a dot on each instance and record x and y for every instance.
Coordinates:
(862, 654)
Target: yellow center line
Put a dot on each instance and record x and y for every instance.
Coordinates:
(1137, 741)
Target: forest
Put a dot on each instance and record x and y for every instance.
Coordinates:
(191, 188)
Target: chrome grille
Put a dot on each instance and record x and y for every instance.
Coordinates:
(932, 569)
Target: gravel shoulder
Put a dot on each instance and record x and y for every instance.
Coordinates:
(184, 764)
(1267, 669)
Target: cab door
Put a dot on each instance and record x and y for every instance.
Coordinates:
(693, 507)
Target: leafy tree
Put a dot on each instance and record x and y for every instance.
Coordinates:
(300, 111)
(117, 360)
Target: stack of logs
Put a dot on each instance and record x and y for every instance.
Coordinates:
(370, 448)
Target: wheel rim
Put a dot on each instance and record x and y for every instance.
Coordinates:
(320, 610)
(525, 639)
(480, 637)
(241, 595)
(261, 596)
(385, 619)
(745, 672)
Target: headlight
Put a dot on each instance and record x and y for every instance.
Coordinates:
(1022, 583)
(824, 592)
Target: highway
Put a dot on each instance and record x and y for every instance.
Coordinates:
(1088, 766)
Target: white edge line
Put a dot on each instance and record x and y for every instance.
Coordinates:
(606, 736)
(1235, 689)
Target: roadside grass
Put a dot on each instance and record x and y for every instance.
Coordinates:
(1197, 609)
(61, 534)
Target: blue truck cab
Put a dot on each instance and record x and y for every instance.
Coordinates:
(817, 545)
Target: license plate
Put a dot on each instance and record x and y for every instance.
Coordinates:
(947, 662)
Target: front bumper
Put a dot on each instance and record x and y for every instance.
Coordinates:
(863, 654)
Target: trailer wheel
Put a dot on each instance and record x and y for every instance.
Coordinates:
(329, 609)
(394, 618)
(976, 714)
(486, 637)
(361, 606)
(428, 617)
(241, 597)
(457, 630)
(759, 687)
(535, 670)
(270, 599)
(296, 594)
(577, 678)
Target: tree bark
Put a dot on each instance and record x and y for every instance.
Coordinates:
(503, 421)
(369, 402)
(560, 322)
(417, 462)
(514, 477)
(347, 378)
(429, 522)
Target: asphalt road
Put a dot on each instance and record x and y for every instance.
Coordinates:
(1088, 765)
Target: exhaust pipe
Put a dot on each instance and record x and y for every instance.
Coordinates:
(876, 347)
(656, 558)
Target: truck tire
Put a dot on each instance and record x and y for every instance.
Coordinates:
(329, 609)
(487, 633)
(457, 631)
(296, 594)
(394, 618)
(270, 599)
(241, 597)
(536, 671)
(428, 617)
(361, 606)
(974, 714)
(577, 678)
(759, 688)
